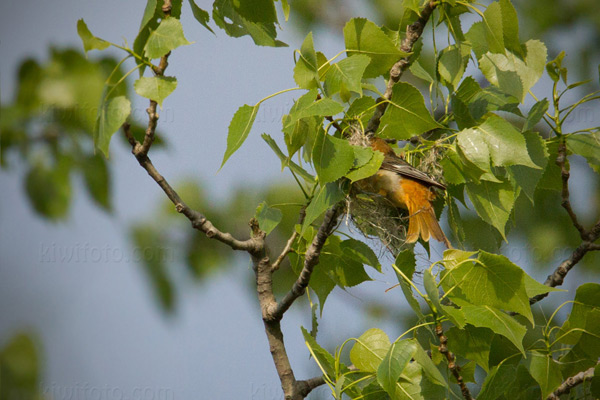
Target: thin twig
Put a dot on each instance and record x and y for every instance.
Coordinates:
(454, 368)
(151, 110)
(588, 237)
(288, 246)
(197, 219)
(570, 383)
(311, 259)
(413, 33)
(562, 162)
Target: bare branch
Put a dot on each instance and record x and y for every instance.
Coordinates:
(413, 33)
(288, 246)
(454, 368)
(197, 219)
(570, 383)
(311, 259)
(588, 236)
(305, 387)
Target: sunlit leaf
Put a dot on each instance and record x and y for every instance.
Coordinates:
(168, 36)
(155, 88)
(111, 116)
(239, 129)
(90, 42)
(406, 115)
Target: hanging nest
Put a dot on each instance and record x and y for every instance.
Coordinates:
(374, 215)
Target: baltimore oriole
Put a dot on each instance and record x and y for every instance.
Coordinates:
(408, 188)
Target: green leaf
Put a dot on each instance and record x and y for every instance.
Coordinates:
(20, 368)
(268, 217)
(342, 268)
(97, 180)
(405, 261)
(359, 251)
(90, 42)
(406, 115)
(510, 27)
(306, 70)
(362, 36)
(534, 288)
(581, 330)
(535, 114)
(49, 189)
(322, 107)
(346, 75)
(286, 162)
(393, 364)
(477, 37)
(595, 384)
(226, 14)
(327, 196)
(168, 36)
(475, 148)
(588, 146)
(322, 356)
(506, 144)
(453, 314)
(493, 281)
(369, 350)
(361, 108)
(454, 257)
(544, 370)
(527, 178)
(150, 239)
(200, 15)
(452, 64)
(471, 343)
(111, 116)
(417, 70)
(556, 70)
(155, 88)
(286, 9)
(493, 202)
(332, 157)
(239, 128)
(429, 368)
(513, 75)
(492, 22)
(149, 12)
(367, 169)
(497, 321)
(498, 380)
(256, 10)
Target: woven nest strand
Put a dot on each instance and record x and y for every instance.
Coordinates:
(374, 215)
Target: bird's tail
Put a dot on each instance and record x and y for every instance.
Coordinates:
(422, 221)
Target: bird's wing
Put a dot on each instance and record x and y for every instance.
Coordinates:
(401, 167)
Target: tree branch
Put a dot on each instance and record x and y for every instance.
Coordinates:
(198, 220)
(570, 383)
(413, 33)
(562, 162)
(588, 237)
(454, 368)
(305, 387)
(311, 259)
(288, 246)
(151, 110)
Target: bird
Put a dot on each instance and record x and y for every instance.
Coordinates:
(408, 188)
